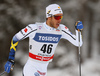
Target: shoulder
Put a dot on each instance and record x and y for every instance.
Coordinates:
(63, 27)
(32, 26)
(36, 25)
(28, 29)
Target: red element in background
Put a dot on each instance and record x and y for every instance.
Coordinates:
(25, 30)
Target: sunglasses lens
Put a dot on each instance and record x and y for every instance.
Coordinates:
(58, 17)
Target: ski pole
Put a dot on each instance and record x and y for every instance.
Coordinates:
(2, 73)
(79, 51)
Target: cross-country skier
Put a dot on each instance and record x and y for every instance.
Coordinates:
(43, 39)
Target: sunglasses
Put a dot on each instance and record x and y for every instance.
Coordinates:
(58, 17)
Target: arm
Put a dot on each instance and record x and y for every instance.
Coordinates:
(66, 34)
(24, 33)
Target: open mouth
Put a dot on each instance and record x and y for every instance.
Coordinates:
(57, 24)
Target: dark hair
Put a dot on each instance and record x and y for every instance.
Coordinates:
(46, 18)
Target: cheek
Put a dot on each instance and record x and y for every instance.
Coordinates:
(54, 21)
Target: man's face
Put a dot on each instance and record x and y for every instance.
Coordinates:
(55, 20)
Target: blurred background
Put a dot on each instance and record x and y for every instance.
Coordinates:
(16, 14)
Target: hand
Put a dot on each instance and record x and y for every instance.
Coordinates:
(79, 25)
(9, 66)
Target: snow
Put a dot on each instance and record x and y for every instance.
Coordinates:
(66, 64)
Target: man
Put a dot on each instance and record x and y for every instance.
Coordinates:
(43, 39)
